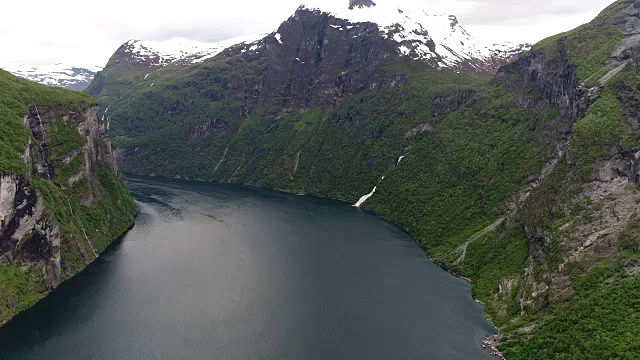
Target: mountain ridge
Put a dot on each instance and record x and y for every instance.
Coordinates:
(58, 75)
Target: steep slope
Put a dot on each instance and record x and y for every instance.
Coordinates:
(62, 199)
(525, 183)
(581, 219)
(58, 75)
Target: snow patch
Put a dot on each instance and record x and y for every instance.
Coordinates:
(60, 75)
(278, 37)
(182, 50)
(416, 31)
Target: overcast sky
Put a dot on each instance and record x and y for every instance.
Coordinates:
(81, 32)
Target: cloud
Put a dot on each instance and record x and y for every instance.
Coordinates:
(83, 33)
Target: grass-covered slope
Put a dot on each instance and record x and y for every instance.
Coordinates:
(62, 200)
(16, 95)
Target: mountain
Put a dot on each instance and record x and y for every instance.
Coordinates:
(525, 182)
(135, 60)
(58, 75)
(435, 39)
(62, 198)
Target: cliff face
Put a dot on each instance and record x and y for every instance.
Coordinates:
(62, 199)
(580, 215)
(28, 236)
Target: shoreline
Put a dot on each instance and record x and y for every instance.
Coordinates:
(489, 343)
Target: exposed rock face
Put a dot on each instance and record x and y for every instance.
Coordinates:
(210, 128)
(361, 3)
(320, 59)
(59, 211)
(608, 196)
(40, 119)
(553, 80)
(28, 236)
(318, 54)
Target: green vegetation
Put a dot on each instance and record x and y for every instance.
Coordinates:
(630, 238)
(496, 258)
(589, 46)
(64, 138)
(111, 215)
(99, 206)
(598, 131)
(65, 171)
(600, 322)
(19, 290)
(16, 95)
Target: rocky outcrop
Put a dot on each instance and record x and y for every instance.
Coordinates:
(28, 236)
(575, 221)
(210, 128)
(549, 76)
(361, 3)
(318, 59)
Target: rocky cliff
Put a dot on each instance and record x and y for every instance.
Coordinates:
(62, 199)
(580, 217)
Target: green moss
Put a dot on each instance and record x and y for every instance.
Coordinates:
(19, 290)
(65, 171)
(64, 138)
(630, 237)
(601, 322)
(598, 131)
(110, 213)
(498, 256)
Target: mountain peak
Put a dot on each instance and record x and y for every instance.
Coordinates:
(182, 50)
(422, 35)
(360, 4)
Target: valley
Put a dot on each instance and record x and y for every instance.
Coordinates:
(515, 166)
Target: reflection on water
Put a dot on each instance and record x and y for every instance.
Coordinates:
(228, 272)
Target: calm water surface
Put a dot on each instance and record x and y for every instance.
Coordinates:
(227, 272)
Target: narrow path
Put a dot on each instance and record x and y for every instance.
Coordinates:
(475, 236)
(519, 200)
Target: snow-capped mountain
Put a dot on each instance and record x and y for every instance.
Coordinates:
(421, 35)
(179, 50)
(58, 75)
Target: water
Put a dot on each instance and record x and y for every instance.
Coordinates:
(228, 272)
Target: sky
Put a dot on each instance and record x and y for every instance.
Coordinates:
(43, 32)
